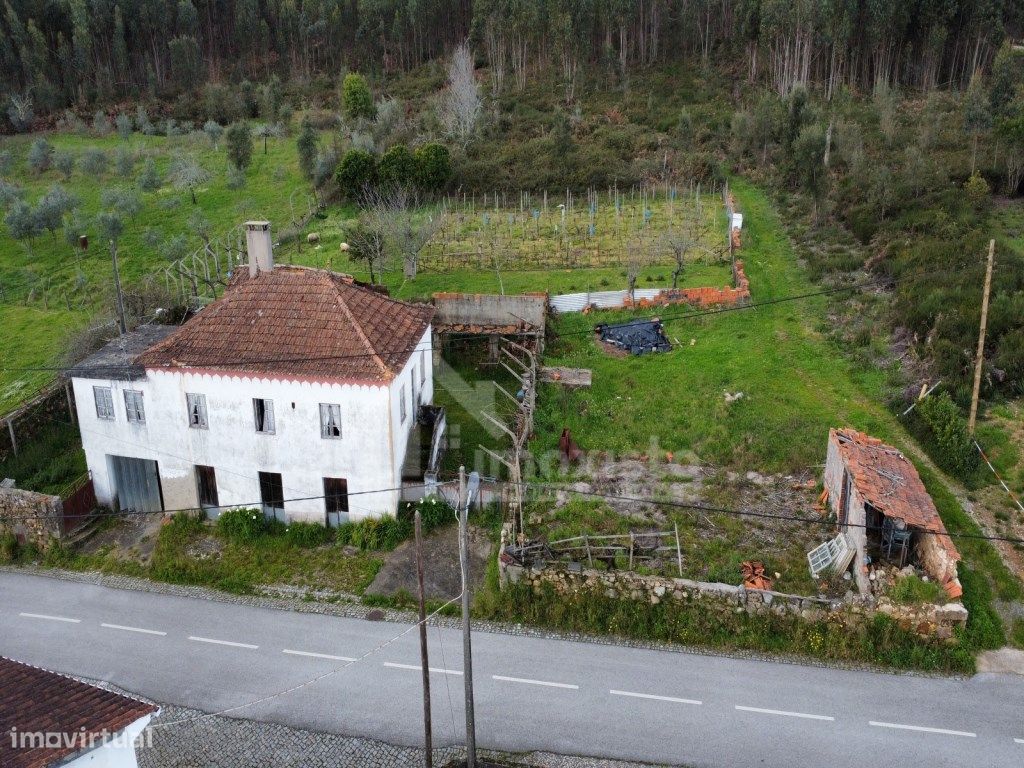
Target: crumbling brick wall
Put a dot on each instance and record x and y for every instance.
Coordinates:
(701, 297)
(34, 518)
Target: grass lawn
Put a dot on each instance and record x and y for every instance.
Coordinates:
(794, 384)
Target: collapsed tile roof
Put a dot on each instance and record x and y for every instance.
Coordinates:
(33, 700)
(298, 322)
(888, 480)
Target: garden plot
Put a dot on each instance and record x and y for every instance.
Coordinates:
(594, 229)
(651, 496)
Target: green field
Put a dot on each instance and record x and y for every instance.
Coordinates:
(51, 288)
(795, 384)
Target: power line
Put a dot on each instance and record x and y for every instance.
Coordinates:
(469, 339)
(764, 515)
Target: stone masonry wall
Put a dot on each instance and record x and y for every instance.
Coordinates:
(46, 513)
(50, 406)
(930, 622)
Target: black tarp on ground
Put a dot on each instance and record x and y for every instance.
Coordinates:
(636, 337)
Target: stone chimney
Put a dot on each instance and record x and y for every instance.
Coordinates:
(260, 247)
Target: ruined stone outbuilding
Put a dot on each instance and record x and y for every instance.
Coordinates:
(872, 486)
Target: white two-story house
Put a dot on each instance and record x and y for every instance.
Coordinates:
(297, 391)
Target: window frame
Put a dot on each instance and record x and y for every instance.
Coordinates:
(401, 404)
(269, 424)
(199, 400)
(423, 367)
(327, 409)
(137, 406)
(107, 414)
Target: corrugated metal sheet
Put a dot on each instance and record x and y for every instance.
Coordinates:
(575, 302)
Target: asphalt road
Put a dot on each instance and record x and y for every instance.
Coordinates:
(531, 693)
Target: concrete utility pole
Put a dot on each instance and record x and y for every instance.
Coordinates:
(466, 494)
(117, 287)
(428, 740)
(981, 338)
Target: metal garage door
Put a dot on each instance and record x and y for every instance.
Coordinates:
(136, 484)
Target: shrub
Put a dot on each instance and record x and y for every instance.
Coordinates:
(433, 166)
(149, 179)
(307, 535)
(397, 166)
(238, 139)
(40, 155)
(356, 99)
(947, 429)
(357, 170)
(124, 126)
(94, 162)
(242, 525)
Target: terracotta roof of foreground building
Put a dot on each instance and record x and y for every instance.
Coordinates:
(299, 322)
(35, 701)
(887, 480)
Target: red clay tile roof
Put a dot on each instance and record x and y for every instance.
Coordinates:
(297, 321)
(34, 700)
(887, 480)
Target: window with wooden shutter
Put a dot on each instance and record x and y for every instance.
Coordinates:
(133, 405)
(104, 403)
(263, 413)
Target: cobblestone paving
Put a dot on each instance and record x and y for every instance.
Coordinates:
(184, 738)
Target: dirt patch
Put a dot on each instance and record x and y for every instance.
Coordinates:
(131, 538)
(442, 577)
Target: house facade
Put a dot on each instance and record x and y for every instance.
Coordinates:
(882, 506)
(296, 391)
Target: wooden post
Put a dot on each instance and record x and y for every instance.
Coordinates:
(14, 440)
(428, 741)
(981, 338)
(679, 551)
(631, 550)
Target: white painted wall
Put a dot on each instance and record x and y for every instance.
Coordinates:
(119, 752)
(369, 453)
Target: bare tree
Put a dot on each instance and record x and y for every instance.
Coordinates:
(367, 242)
(460, 103)
(406, 230)
(684, 238)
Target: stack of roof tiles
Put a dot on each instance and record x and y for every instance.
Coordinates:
(297, 322)
(33, 700)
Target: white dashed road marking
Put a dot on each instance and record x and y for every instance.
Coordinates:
(134, 629)
(534, 682)
(922, 729)
(222, 642)
(1019, 741)
(49, 618)
(418, 668)
(784, 713)
(652, 696)
(318, 655)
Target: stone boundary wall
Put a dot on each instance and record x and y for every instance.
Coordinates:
(53, 404)
(930, 622)
(47, 511)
